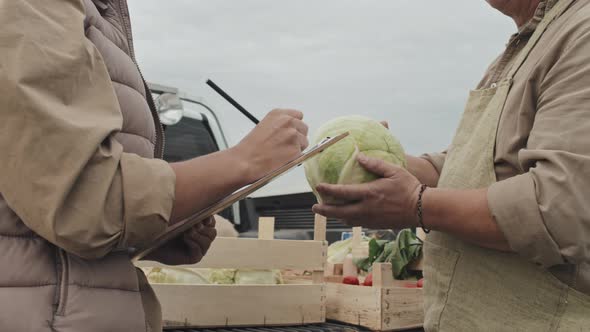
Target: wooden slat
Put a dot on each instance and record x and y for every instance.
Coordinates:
(266, 228)
(320, 223)
(319, 234)
(358, 305)
(382, 275)
(420, 233)
(317, 277)
(217, 305)
(260, 254)
(359, 250)
(378, 309)
(334, 269)
(357, 236)
(402, 308)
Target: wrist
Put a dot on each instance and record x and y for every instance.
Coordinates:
(242, 164)
(420, 193)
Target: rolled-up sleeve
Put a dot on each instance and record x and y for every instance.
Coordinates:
(436, 159)
(545, 213)
(61, 170)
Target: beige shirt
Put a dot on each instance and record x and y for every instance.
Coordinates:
(61, 170)
(542, 156)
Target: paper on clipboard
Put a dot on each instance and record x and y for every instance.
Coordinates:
(186, 224)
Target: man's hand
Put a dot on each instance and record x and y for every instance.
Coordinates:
(388, 202)
(189, 248)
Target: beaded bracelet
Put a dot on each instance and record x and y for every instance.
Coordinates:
(420, 221)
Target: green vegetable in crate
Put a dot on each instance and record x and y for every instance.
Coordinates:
(172, 275)
(258, 277)
(338, 164)
(223, 276)
(400, 253)
(338, 250)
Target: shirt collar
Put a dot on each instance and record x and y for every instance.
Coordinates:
(530, 27)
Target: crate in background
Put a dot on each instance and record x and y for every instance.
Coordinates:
(388, 305)
(190, 305)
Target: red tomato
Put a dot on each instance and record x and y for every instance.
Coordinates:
(421, 283)
(351, 280)
(368, 280)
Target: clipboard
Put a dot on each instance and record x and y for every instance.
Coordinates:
(186, 224)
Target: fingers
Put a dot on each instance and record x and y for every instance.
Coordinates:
(202, 232)
(292, 119)
(377, 166)
(303, 142)
(290, 112)
(209, 232)
(300, 126)
(356, 211)
(210, 222)
(344, 192)
(198, 242)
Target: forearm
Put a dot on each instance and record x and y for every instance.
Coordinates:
(464, 214)
(422, 170)
(205, 180)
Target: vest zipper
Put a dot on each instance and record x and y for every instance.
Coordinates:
(160, 138)
(62, 282)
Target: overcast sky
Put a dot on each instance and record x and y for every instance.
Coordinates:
(406, 61)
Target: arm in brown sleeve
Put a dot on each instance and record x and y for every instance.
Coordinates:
(61, 170)
(545, 213)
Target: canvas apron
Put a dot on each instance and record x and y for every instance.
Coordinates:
(469, 288)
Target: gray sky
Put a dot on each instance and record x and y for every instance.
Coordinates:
(406, 61)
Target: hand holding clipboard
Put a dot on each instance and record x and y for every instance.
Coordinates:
(186, 224)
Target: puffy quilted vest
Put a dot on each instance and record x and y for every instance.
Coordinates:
(43, 288)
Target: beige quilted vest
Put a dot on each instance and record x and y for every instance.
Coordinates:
(43, 288)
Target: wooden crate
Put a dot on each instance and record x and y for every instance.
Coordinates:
(386, 306)
(295, 303)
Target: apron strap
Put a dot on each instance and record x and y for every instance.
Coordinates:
(554, 13)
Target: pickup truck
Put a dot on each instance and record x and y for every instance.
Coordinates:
(192, 129)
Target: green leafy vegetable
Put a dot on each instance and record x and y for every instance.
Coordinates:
(258, 277)
(172, 275)
(338, 250)
(338, 164)
(222, 276)
(400, 253)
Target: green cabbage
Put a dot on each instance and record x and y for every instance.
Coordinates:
(258, 277)
(402, 252)
(338, 250)
(222, 276)
(338, 164)
(172, 275)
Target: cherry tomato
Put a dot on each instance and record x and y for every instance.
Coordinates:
(351, 280)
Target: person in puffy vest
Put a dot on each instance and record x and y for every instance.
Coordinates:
(82, 181)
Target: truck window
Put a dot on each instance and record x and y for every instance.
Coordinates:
(188, 139)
